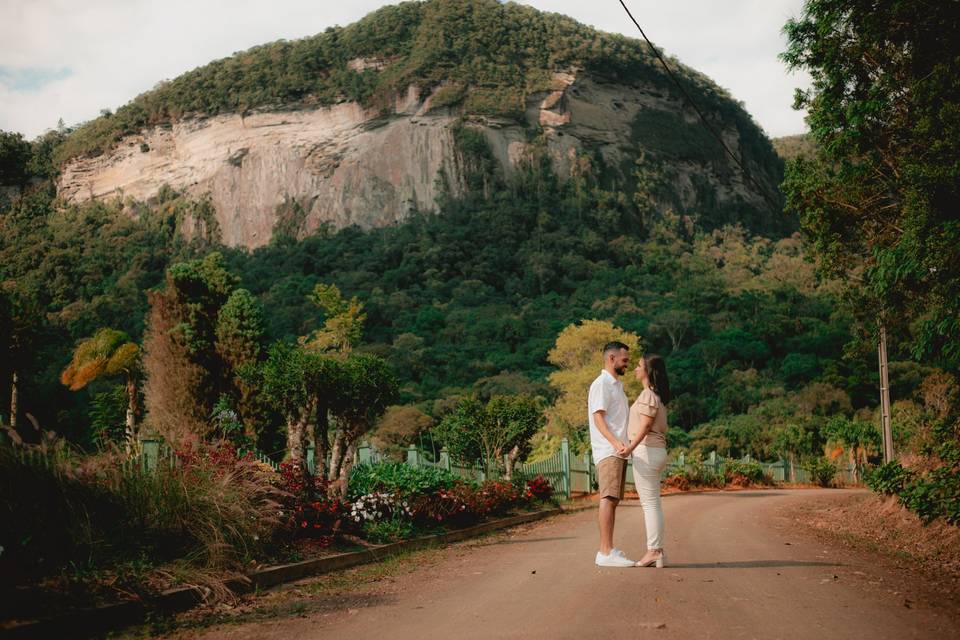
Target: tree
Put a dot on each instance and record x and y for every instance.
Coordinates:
(675, 323)
(511, 422)
(239, 336)
(14, 157)
(173, 383)
(19, 333)
(497, 433)
(326, 384)
(880, 203)
(854, 438)
(577, 355)
(301, 385)
(456, 431)
(343, 325)
(285, 378)
(398, 427)
(368, 388)
(185, 374)
(793, 442)
(105, 354)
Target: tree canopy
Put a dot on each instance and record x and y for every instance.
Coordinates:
(879, 203)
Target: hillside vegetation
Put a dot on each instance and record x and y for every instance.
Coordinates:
(470, 299)
(480, 57)
(792, 147)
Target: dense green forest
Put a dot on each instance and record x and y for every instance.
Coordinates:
(467, 299)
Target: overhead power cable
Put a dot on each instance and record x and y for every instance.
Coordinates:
(763, 192)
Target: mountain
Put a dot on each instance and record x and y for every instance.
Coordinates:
(364, 124)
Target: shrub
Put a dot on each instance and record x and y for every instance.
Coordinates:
(310, 509)
(388, 531)
(822, 470)
(889, 478)
(376, 507)
(539, 488)
(213, 508)
(743, 474)
(677, 480)
(932, 495)
(936, 495)
(698, 475)
(400, 478)
(497, 496)
(456, 506)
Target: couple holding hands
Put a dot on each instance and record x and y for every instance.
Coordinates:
(620, 431)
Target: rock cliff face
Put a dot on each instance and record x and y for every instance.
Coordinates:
(344, 165)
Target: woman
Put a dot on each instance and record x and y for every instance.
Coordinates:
(647, 430)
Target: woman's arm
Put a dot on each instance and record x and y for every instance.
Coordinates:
(646, 423)
(600, 420)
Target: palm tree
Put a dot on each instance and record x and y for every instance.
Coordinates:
(107, 353)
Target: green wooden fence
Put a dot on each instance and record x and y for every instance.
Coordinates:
(569, 473)
(572, 474)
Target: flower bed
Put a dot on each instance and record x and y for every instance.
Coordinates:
(97, 525)
(417, 500)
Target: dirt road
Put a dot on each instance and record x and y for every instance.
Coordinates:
(737, 570)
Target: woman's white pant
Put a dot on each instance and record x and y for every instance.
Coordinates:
(648, 462)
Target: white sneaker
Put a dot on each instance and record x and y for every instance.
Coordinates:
(620, 554)
(613, 560)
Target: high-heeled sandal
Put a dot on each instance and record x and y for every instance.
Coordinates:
(659, 561)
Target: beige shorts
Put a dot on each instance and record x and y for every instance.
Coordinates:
(612, 477)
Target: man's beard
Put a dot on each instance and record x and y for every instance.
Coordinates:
(620, 370)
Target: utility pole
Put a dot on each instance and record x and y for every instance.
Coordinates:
(885, 398)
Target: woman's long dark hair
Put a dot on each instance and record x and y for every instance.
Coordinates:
(657, 370)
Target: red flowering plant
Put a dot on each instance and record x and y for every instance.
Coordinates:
(499, 496)
(446, 507)
(538, 488)
(677, 481)
(307, 507)
(219, 456)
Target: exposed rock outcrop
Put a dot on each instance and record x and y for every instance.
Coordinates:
(346, 165)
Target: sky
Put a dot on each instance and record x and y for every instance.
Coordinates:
(68, 59)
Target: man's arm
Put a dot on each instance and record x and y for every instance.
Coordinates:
(599, 419)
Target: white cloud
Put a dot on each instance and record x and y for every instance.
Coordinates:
(116, 49)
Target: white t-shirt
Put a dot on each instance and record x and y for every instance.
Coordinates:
(606, 393)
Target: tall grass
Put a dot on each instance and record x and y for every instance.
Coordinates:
(200, 520)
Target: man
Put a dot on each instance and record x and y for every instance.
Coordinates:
(608, 411)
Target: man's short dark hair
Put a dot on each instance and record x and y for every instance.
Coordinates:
(614, 346)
